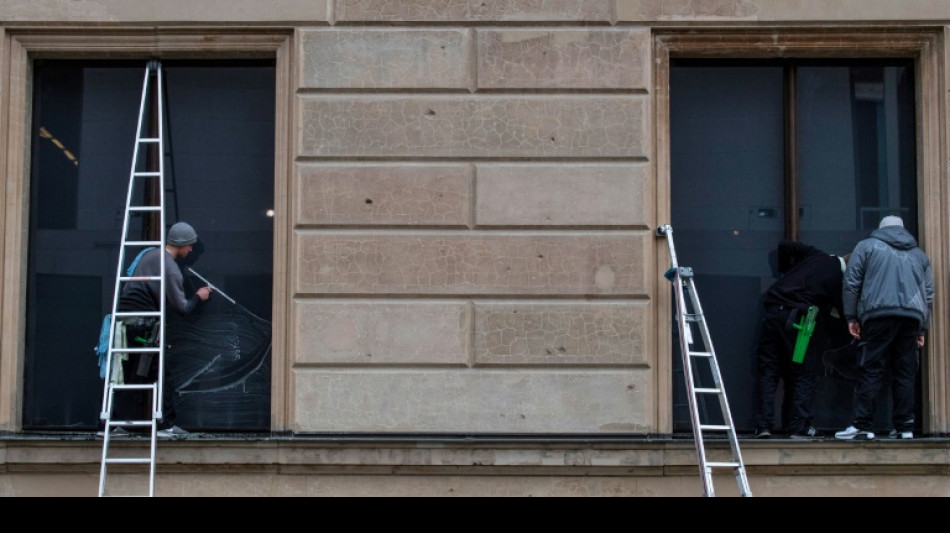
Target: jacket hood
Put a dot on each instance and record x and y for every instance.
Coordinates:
(896, 236)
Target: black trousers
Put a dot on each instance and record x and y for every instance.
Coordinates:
(774, 364)
(887, 341)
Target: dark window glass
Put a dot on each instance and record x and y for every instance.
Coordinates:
(739, 186)
(219, 176)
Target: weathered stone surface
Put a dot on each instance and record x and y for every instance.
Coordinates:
(368, 58)
(467, 401)
(780, 10)
(474, 126)
(564, 59)
(473, 10)
(561, 333)
(509, 264)
(563, 195)
(392, 194)
(649, 10)
(382, 333)
(163, 11)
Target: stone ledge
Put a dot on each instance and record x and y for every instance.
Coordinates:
(457, 465)
(573, 455)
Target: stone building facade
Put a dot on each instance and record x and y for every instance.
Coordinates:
(468, 291)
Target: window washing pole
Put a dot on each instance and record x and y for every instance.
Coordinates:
(215, 289)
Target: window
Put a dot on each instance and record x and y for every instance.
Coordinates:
(219, 128)
(761, 150)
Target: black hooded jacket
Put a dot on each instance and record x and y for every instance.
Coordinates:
(809, 277)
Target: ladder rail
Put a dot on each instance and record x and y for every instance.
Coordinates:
(684, 282)
(153, 73)
(161, 226)
(120, 264)
(717, 378)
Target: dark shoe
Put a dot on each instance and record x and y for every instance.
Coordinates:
(809, 434)
(894, 434)
(762, 433)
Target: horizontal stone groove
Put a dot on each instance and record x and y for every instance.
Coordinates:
(507, 228)
(412, 91)
(469, 159)
(409, 91)
(337, 298)
(452, 96)
(520, 298)
(481, 367)
(413, 232)
(486, 24)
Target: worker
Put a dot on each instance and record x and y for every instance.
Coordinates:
(139, 296)
(809, 277)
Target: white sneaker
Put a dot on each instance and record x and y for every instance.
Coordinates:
(853, 433)
(173, 432)
(906, 435)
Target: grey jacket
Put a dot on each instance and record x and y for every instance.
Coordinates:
(888, 275)
(144, 295)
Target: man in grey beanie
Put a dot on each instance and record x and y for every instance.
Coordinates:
(140, 296)
(888, 294)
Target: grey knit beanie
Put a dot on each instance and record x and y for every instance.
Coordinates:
(182, 234)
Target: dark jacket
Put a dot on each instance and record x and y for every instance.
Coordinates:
(144, 295)
(888, 275)
(810, 277)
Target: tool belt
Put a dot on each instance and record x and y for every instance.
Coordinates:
(140, 322)
(142, 331)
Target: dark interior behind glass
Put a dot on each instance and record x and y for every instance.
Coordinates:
(219, 166)
(855, 154)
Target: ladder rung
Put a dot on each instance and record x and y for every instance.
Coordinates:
(133, 386)
(129, 423)
(148, 174)
(722, 465)
(135, 350)
(140, 278)
(137, 313)
(715, 427)
(137, 208)
(700, 354)
(149, 140)
(707, 391)
(130, 460)
(143, 243)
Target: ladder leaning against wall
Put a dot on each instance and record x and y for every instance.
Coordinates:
(146, 181)
(687, 314)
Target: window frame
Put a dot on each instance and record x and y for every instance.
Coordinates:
(20, 47)
(923, 45)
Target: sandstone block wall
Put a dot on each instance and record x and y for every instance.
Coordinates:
(472, 239)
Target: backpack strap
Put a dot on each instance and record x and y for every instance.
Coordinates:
(129, 271)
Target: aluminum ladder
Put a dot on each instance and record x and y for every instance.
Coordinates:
(684, 284)
(145, 199)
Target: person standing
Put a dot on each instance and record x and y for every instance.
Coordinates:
(888, 299)
(138, 296)
(809, 277)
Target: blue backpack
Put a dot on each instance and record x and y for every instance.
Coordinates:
(102, 349)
